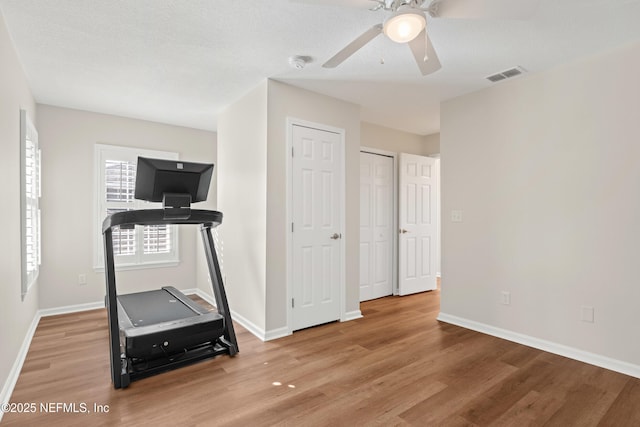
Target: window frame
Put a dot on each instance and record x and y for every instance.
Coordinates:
(30, 176)
(102, 153)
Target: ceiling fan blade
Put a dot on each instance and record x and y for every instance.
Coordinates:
(483, 9)
(353, 47)
(424, 53)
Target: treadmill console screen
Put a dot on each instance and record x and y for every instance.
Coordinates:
(155, 177)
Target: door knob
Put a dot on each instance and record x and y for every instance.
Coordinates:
(402, 231)
(336, 236)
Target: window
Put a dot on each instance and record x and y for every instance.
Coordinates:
(115, 185)
(29, 202)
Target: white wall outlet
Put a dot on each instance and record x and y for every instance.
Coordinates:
(505, 298)
(586, 314)
(82, 279)
(456, 216)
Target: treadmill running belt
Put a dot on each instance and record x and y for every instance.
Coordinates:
(151, 307)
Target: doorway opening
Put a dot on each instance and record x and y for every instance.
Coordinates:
(411, 210)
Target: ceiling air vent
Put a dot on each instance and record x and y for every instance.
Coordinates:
(512, 72)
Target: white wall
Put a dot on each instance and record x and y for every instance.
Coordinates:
(67, 139)
(545, 170)
(15, 315)
(289, 101)
(242, 193)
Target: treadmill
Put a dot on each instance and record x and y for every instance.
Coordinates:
(155, 331)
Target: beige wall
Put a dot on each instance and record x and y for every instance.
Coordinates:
(384, 138)
(252, 149)
(67, 139)
(545, 170)
(431, 144)
(242, 194)
(288, 101)
(15, 315)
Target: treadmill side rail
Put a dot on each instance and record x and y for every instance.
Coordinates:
(119, 374)
(218, 288)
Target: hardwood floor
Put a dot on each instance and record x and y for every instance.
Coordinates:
(396, 366)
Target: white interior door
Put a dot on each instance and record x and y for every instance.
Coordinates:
(317, 229)
(417, 224)
(376, 226)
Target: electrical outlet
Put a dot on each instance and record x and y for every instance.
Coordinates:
(506, 298)
(456, 216)
(82, 279)
(586, 314)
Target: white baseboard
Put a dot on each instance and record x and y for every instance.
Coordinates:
(249, 325)
(352, 315)
(259, 332)
(551, 347)
(274, 334)
(14, 373)
(71, 309)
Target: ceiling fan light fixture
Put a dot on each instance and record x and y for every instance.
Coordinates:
(404, 26)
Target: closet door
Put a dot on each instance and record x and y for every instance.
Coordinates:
(317, 245)
(376, 226)
(417, 224)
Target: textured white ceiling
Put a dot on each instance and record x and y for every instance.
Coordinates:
(182, 62)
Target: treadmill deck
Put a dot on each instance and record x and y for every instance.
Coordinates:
(151, 307)
(164, 322)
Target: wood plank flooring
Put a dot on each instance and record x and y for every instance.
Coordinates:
(397, 366)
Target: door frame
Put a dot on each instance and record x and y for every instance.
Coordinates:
(438, 215)
(394, 184)
(290, 122)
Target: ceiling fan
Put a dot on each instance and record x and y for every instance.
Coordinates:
(407, 24)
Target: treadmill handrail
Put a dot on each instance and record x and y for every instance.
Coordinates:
(156, 217)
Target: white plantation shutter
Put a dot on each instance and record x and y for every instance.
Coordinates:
(124, 240)
(30, 202)
(32, 214)
(157, 239)
(120, 180)
(142, 245)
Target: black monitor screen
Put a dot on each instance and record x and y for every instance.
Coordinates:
(156, 177)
